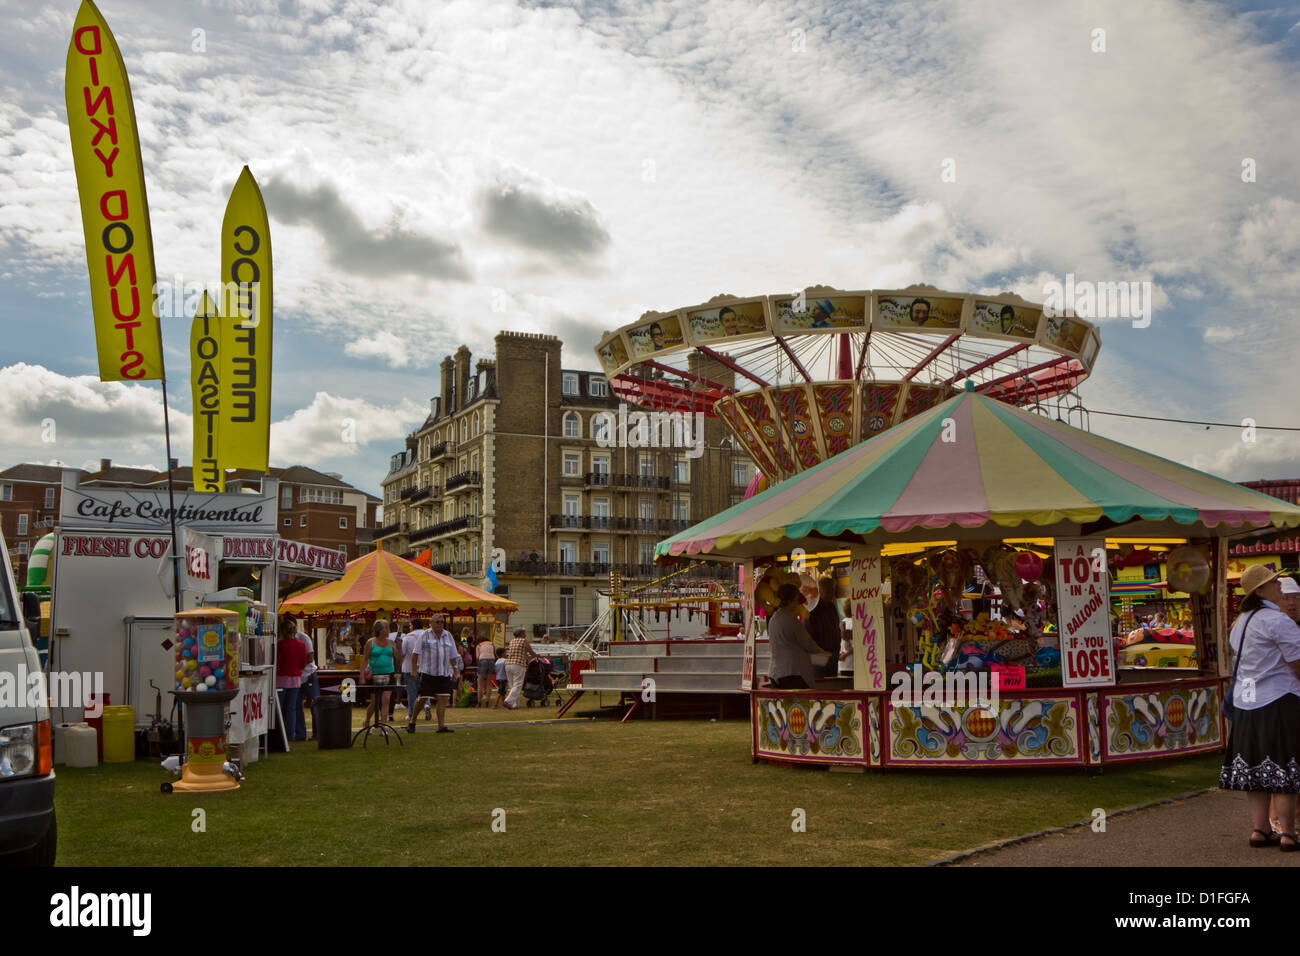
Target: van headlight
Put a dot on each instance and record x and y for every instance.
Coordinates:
(17, 750)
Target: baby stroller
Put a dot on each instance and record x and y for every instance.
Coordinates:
(537, 681)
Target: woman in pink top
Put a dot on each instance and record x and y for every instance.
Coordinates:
(487, 655)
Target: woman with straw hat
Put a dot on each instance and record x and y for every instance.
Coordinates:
(1263, 755)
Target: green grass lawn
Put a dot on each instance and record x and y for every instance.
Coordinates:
(590, 791)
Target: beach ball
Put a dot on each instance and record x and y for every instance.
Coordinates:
(187, 653)
(210, 681)
(189, 642)
(183, 633)
(1187, 569)
(191, 664)
(205, 670)
(1028, 565)
(178, 653)
(200, 686)
(180, 675)
(218, 673)
(186, 683)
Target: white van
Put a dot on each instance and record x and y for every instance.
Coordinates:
(27, 832)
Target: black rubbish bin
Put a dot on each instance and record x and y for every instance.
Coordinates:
(332, 719)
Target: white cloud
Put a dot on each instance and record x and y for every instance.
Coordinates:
(384, 345)
(332, 427)
(1221, 333)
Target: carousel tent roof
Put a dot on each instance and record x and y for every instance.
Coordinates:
(976, 463)
(380, 581)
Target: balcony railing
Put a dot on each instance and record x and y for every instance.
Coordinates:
(461, 568)
(406, 493)
(442, 448)
(608, 523)
(604, 479)
(464, 479)
(396, 527)
(425, 492)
(463, 523)
(595, 569)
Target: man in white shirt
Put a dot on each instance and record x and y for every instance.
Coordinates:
(438, 663)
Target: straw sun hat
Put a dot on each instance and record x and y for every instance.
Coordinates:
(1256, 576)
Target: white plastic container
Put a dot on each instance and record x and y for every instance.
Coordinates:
(82, 746)
(61, 743)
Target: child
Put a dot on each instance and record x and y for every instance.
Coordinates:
(846, 641)
(501, 678)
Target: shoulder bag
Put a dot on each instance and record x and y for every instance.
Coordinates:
(1229, 710)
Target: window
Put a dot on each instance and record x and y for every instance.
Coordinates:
(572, 464)
(462, 463)
(473, 462)
(600, 507)
(566, 607)
(473, 505)
(343, 524)
(647, 509)
(682, 509)
(647, 466)
(476, 424)
(600, 428)
(600, 552)
(286, 497)
(572, 425)
(571, 506)
(569, 385)
(739, 473)
(49, 497)
(464, 429)
(288, 522)
(681, 471)
(600, 464)
(503, 590)
(599, 387)
(22, 525)
(22, 549)
(647, 553)
(323, 496)
(302, 521)
(473, 556)
(6, 492)
(568, 552)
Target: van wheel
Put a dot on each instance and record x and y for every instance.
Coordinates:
(42, 854)
(165, 787)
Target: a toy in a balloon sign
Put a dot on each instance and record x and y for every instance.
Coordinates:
(210, 642)
(1188, 570)
(1028, 565)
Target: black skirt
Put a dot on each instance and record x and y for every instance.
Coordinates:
(1263, 752)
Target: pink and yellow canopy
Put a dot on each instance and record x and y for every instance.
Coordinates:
(381, 581)
(975, 463)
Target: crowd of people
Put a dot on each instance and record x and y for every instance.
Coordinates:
(428, 668)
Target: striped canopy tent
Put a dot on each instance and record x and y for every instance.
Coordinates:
(380, 581)
(975, 469)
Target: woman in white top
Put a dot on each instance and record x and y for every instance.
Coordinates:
(1263, 754)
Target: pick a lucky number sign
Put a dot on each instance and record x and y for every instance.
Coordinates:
(1083, 600)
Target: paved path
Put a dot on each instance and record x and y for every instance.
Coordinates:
(1207, 830)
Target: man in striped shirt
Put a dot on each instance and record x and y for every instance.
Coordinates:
(438, 662)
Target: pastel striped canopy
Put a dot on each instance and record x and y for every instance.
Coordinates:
(380, 581)
(973, 468)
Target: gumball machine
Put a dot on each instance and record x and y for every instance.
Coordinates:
(206, 680)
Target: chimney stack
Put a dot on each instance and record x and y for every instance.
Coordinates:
(105, 464)
(462, 375)
(448, 372)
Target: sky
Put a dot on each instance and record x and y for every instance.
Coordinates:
(436, 172)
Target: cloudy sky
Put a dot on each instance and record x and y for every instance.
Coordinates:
(438, 171)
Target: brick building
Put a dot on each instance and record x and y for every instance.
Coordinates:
(509, 459)
(29, 509)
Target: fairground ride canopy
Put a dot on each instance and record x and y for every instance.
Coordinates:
(810, 375)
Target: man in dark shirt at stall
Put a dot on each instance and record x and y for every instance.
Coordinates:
(823, 626)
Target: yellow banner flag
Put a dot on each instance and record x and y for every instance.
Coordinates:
(205, 361)
(114, 209)
(244, 374)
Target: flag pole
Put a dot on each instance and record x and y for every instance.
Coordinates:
(171, 498)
